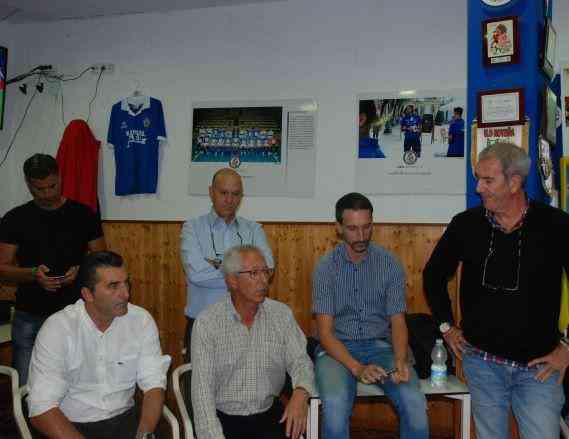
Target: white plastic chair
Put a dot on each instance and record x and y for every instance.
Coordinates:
(19, 393)
(177, 377)
(564, 429)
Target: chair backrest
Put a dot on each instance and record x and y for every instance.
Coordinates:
(18, 394)
(180, 374)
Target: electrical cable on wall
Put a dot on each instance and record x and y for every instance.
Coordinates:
(20, 124)
(43, 73)
(95, 94)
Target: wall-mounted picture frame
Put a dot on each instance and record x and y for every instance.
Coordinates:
(545, 166)
(3, 70)
(548, 53)
(500, 41)
(564, 189)
(549, 114)
(546, 6)
(500, 107)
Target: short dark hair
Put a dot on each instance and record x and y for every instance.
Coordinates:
(368, 108)
(353, 201)
(458, 110)
(87, 275)
(40, 166)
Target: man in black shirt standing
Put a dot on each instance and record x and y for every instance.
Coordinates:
(42, 243)
(513, 251)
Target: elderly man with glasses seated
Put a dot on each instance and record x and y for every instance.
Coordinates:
(513, 251)
(241, 348)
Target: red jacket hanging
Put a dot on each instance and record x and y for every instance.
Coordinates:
(78, 160)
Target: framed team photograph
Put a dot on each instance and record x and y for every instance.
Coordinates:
(549, 49)
(500, 41)
(549, 125)
(3, 66)
(500, 107)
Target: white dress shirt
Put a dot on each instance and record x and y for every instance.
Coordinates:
(91, 375)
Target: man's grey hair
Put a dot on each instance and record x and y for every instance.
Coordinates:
(232, 259)
(514, 160)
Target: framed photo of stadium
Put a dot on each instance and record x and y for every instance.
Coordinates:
(500, 41)
(3, 67)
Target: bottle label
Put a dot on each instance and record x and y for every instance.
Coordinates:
(438, 375)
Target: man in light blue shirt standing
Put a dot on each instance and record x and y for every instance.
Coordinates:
(206, 238)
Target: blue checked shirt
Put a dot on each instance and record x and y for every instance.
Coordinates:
(208, 237)
(360, 296)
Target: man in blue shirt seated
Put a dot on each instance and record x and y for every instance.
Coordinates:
(359, 303)
(411, 127)
(368, 146)
(206, 238)
(456, 134)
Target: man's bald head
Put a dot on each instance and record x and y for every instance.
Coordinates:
(226, 192)
(224, 172)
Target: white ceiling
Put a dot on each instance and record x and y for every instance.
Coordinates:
(26, 11)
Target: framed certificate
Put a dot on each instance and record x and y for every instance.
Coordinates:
(500, 41)
(500, 107)
(549, 112)
(549, 50)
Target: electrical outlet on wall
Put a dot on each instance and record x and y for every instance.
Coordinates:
(107, 68)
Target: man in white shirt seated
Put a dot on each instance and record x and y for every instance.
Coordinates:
(89, 357)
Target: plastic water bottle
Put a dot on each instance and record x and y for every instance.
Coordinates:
(439, 366)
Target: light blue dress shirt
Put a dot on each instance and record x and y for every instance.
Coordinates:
(208, 237)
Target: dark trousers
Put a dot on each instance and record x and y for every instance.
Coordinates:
(412, 143)
(186, 384)
(260, 426)
(121, 426)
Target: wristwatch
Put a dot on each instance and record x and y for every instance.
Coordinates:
(444, 327)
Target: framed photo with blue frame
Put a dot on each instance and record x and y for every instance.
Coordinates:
(564, 183)
(3, 66)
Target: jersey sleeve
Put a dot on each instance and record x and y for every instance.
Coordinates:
(159, 122)
(113, 135)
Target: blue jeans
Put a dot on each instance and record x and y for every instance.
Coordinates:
(337, 390)
(25, 328)
(495, 388)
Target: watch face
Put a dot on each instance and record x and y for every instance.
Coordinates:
(496, 2)
(444, 327)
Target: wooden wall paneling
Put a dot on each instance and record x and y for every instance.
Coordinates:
(152, 254)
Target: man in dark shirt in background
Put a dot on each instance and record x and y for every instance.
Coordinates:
(513, 251)
(42, 243)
